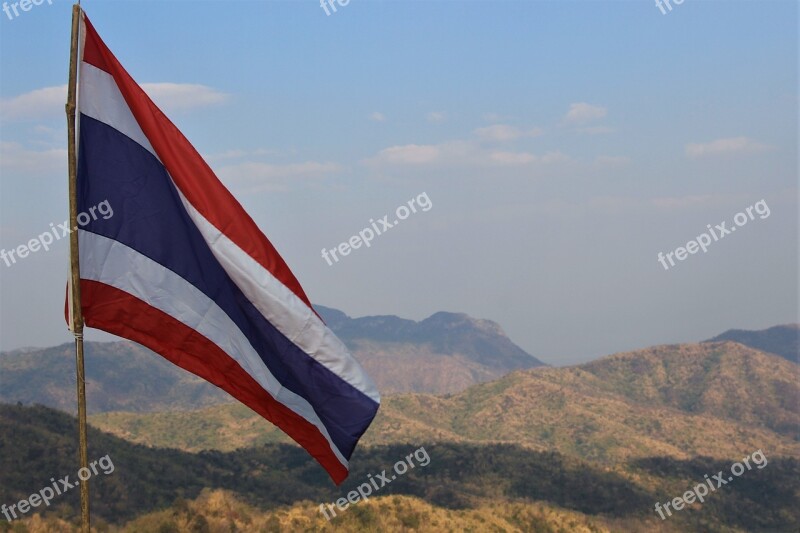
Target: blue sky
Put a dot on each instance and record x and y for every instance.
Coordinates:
(563, 145)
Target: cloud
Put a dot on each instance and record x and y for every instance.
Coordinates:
(512, 158)
(183, 96)
(731, 146)
(16, 158)
(41, 103)
(504, 132)
(457, 154)
(377, 117)
(239, 154)
(48, 103)
(436, 117)
(581, 113)
(409, 154)
(260, 177)
(228, 154)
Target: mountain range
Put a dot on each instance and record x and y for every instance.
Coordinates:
(779, 340)
(679, 401)
(463, 487)
(518, 446)
(447, 352)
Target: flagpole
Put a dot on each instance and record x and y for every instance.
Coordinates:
(75, 276)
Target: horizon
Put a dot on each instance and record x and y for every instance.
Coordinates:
(542, 359)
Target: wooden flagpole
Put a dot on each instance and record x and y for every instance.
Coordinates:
(75, 274)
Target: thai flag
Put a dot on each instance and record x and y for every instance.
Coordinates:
(181, 268)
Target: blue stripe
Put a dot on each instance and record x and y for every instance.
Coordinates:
(150, 218)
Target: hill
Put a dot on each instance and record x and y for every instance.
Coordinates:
(222, 511)
(119, 376)
(278, 487)
(445, 353)
(38, 443)
(679, 401)
(779, 340)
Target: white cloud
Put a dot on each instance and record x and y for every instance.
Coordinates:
(228, 154)
(437, 117)
(239, 154)
(581, 112)
(457, 154)
(377, 117)
(182, 96)
(730, 146)
(504, 132)
(48, 103)
(41, 103)
(14, 157)
(260, 177)
(409, 154)
(512, 158)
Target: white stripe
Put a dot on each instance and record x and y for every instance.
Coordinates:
(113, 263)
(281, 307)
(103, 101)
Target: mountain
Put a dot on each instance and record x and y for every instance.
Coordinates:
(145, 479)
(722, 379)
(119, 376)
(779, 340)
(462, 486)
(584, 448)
(679, 401)
(224, 511)
(445, 353)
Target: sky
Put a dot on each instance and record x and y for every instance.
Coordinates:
(558, 148)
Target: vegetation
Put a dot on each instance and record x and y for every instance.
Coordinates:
(277, 483)
(780, 340)
(716, 400)
(588, 448)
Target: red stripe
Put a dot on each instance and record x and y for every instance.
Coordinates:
(191, 174)
(115, 311)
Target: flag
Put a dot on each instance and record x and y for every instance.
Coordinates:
(170, 260)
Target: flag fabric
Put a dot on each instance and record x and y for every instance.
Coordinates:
(182, 269)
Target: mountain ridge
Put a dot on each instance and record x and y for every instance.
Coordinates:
(782, 340)
(445, 353)
(602, 411)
